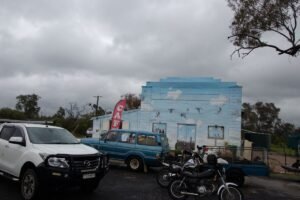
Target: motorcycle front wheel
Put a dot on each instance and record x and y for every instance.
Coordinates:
(175, 189)
(162, 178)
(232, 193)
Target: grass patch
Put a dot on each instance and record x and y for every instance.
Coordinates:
(286, 176)
(283, 150)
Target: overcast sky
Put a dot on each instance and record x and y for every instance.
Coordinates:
(71, 50)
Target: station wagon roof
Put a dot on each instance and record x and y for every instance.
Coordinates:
(135, 131)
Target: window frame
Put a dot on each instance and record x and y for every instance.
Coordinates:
(165, 127)
(146, 144)
(15, 128)
(222, 128)
(116, 136)
(129, 134)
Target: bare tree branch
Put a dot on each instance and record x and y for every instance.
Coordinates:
(253, 18)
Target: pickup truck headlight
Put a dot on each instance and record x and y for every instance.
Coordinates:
(58, 162)
(43, 155)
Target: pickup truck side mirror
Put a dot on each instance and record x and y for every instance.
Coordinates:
(17, 140)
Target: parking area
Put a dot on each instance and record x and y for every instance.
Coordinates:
(121, 183)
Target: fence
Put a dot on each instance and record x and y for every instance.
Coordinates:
(273, 159)
(237, 154)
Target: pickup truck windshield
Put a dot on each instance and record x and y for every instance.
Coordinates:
(38, 135)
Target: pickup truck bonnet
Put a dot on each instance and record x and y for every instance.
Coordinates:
(71, 149)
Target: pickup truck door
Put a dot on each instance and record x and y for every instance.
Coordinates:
(5, 133)
(1, 147)
(11, 153)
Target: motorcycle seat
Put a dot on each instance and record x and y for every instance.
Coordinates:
(204, 174)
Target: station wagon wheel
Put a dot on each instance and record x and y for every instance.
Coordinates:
(134, 163)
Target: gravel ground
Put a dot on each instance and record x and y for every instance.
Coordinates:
(121, 183)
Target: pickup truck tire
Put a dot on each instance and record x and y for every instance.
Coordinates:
(235, 176)
(29, 185)
(134, 163)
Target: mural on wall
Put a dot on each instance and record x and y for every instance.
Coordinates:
(185, 108)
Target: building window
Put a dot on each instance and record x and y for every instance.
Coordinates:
(159, 128)
(216, 132)
(186, 137)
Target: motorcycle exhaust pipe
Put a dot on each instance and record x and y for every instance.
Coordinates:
(189, 193)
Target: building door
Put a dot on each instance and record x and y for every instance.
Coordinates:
(186, 137)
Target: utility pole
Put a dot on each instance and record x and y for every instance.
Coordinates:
(97, 103)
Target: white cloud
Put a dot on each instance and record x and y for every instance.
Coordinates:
(147, 107)
(75, 50)
(190, 121)
(174, 94)
(219, 100)
(199, 123)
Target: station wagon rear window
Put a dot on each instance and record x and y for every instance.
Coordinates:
(149, 140)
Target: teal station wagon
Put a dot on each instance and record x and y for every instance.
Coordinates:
(135, 148)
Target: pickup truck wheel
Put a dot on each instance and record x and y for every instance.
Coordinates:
(134, 163)
(29, 185)
(235, 176)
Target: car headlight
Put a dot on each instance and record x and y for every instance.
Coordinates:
(58, 162)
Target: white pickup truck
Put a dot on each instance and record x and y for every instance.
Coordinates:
(42, 155)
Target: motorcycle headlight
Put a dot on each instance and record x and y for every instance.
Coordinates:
(58, 162)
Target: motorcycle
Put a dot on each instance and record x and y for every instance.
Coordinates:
(204, 184)
(171, 170)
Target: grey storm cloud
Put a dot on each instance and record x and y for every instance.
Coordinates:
(71, 50)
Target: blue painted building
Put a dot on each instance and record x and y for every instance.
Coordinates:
(190, 111)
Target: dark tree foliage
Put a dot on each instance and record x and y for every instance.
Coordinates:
(8, 113)
(132, 101)
(29, 105)
(249, 117)
(283, 130)
(264, 118)
(61, 113)
(76, 119)
(97, 110)
(260, 117)
(253, 18)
